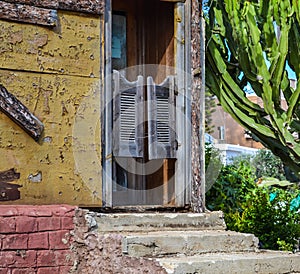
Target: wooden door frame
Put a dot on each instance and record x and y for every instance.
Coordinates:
(182, 65)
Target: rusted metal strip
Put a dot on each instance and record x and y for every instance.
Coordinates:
(28, 14)
(9, 192)
(89, 6)
(20, 114)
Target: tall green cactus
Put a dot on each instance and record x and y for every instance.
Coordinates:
(254, 44)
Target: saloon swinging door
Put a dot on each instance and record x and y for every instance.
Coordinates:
(146, 113)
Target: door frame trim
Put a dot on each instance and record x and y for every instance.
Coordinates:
(182, 53)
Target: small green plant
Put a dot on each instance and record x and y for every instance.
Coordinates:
(284, 246)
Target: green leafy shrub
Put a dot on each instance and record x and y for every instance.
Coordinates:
(270, 212)
(212, 154)
(213, 165)
(231, 189)
(266, 164)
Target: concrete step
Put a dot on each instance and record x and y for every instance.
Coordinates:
(167, 243)
(145, 222)
(264, 262)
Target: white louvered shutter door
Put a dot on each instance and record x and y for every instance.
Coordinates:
(128, 124)
(161, 119)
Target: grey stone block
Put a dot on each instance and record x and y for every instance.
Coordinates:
(266, 262)
(187, 243)
(128, 222)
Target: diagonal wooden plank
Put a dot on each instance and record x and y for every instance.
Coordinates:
(88, 6)
(20, 114)
(28, 14)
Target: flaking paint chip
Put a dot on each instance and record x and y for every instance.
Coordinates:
(35, 178)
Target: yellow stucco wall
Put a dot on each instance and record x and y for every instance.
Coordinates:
(56, 74)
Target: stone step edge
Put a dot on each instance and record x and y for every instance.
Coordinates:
(263, 261)
(116, 222)
(226, 256)
(158, 244)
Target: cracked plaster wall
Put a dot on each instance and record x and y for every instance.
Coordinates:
(56, 73)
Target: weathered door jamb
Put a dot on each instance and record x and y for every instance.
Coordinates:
(107, 175)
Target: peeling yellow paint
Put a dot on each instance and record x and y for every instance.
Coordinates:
(50, 71)
(66, 49)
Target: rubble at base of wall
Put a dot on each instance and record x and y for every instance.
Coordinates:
(62, 239)
(99, 252)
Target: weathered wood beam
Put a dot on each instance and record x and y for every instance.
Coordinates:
(28, 14)
(174, 1)
(198, 168)
(9, 175)
(20, 114)
(89, 6)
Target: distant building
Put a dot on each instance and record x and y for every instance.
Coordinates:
(209, 138)
(228, 131)
(229, 152)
